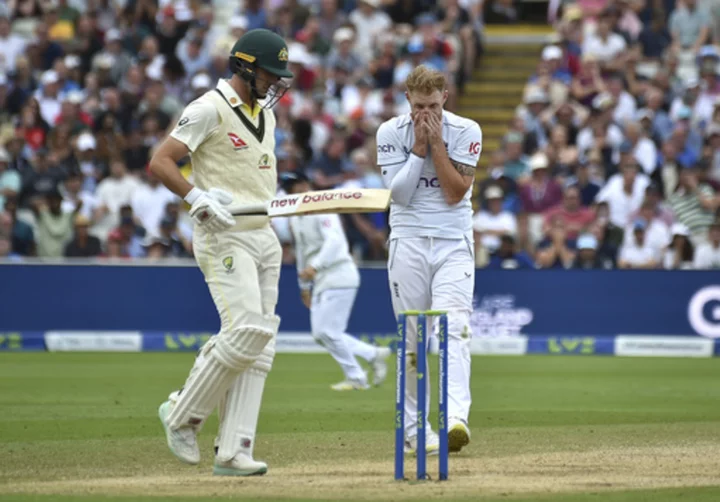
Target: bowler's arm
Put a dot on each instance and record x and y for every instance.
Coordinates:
(400, 172)
(456, 169)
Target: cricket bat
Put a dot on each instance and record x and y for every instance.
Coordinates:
(343, 200)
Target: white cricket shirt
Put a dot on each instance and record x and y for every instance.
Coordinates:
(231, 147)
(428, 214)
(320, 242)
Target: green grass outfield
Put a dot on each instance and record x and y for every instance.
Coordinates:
(567, 429)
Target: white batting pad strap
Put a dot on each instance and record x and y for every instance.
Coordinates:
(240, 348)
(201, 394)
(240, 417)
(265, 359)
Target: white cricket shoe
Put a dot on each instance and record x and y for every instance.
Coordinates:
(183, 441)
(379, 365)
(458, 434)
(432, 444)
(347, 385)
(240, 465)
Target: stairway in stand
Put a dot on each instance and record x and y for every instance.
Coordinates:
(496, 87)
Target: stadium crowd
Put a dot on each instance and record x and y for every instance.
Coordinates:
(613, 158)
(88, 88)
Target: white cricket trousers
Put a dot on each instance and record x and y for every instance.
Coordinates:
(329, 315)
(242, 270)
(439, 274)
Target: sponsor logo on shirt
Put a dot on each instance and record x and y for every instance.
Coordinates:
(474, 147)
(385, 148)
(264, 162)
(237, 142)
(428, 182)
(228, 264)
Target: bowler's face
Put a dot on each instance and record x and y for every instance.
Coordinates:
(421, 103)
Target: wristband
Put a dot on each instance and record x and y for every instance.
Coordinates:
(193, 195)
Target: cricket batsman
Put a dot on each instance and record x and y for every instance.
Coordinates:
(229, 133)
(428, 159)
(329, 280)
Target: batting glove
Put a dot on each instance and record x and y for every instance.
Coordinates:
(208, 208)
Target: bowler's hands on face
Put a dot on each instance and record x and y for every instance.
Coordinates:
(433, 125)
(419, 119)
(421, 138)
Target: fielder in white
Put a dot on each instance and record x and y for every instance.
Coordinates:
(329, 281)
(230, 138)
(428, 160)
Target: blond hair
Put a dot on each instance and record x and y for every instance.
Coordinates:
(423, 80)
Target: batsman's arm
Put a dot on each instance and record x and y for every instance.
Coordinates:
(197, 122)
(164, 165)
(334, 246)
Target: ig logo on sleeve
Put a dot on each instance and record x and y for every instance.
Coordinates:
(704, 312)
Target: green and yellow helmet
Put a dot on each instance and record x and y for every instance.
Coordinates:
(260, 49)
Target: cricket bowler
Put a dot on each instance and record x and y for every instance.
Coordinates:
(329, 281)
(428, 159)
(229, 133)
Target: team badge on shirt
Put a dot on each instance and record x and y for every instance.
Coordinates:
(228, 264)
(264, 162)
(237, 142)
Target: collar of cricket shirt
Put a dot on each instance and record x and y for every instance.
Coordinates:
(232, 97)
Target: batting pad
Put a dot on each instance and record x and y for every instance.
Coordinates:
(242, 408)
(239, 349)
(228, 355)
(201, 393)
